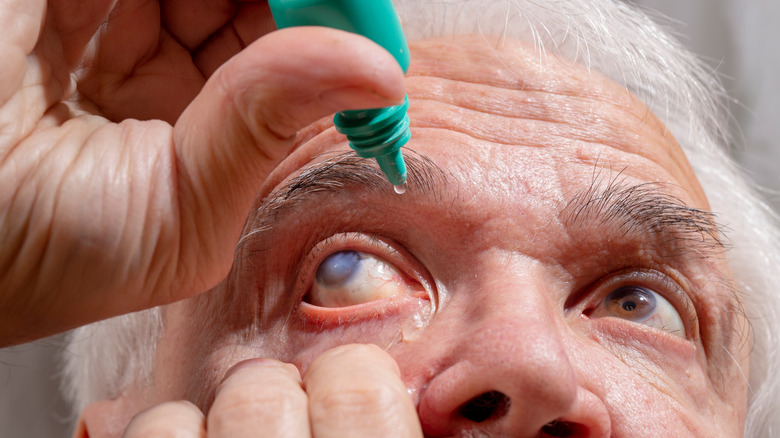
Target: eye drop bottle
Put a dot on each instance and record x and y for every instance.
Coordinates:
(375, 133)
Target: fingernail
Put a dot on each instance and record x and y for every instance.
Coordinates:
(258, 362)
(348, 98)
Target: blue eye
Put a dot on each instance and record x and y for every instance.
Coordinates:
(338, 268)
(641, 305)
(347, 278)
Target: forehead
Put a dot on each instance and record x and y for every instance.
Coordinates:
(488, 107)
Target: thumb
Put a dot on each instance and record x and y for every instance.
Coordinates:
(244, 122)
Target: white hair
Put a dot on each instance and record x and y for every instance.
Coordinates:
(621, 42)
(104, 357)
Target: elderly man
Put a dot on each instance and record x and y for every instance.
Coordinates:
(554, 269)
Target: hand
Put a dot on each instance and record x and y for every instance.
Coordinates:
(349, 391)
(134, 136)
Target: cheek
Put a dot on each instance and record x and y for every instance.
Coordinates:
(649, 394)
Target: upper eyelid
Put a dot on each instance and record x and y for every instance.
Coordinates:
(372, 240)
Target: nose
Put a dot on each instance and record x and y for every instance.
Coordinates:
(508, 374)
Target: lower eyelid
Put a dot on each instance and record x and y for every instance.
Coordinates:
(323, 318)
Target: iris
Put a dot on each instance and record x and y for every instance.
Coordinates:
(338, 268)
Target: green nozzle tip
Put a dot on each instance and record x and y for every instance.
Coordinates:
(393, 167)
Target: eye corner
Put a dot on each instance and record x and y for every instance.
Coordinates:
(587, 312)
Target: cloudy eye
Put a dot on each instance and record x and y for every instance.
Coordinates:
(641, 305)
(347, 278)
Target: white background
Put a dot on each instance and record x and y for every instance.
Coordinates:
(740, 39)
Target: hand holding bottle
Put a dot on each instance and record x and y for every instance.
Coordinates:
(134, 138)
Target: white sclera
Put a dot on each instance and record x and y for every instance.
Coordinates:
(643, 306)
(371, 279)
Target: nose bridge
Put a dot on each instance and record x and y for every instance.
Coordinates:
(516, 325)
(512, 347)
(510, 298)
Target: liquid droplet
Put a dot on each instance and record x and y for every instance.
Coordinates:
(400, 189)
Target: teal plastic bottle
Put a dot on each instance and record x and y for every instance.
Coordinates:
(375, 133)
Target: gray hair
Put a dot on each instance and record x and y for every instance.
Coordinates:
(624, 44)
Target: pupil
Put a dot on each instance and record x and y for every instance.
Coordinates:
(632, 302)
(338, 268)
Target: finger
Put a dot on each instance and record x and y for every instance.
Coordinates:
(356, 391)
(21, 22)
(124, 63)
(260, 398)
(252, 21)
(180, 419)
(199, 23)
(244, 122)
(193, 21)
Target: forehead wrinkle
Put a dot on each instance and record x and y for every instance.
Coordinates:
(343, 172)
(545, 119)
(557, 103)
(526, 89)
(527, 102)
(518, 131)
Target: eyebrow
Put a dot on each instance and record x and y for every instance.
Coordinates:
(645, 209)
(343, 171)
(642, 209)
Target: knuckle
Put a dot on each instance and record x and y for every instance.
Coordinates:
(253, 402)
(165, 420)
(352, 354)
(360, 394)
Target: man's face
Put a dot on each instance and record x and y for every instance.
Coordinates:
(552, 260)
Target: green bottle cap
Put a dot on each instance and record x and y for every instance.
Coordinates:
(377, 133)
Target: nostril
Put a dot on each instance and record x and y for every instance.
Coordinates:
(563, 429)
(485, 406)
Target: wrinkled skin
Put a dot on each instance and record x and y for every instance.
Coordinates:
(516, 241)
(134, 136)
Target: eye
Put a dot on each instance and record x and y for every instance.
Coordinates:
(641, 305)
(347, 278)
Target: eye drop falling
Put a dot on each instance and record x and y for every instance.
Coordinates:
(375, 133)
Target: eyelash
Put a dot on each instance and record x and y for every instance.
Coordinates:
(657, 281)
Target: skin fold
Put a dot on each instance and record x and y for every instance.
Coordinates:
(537, 188)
